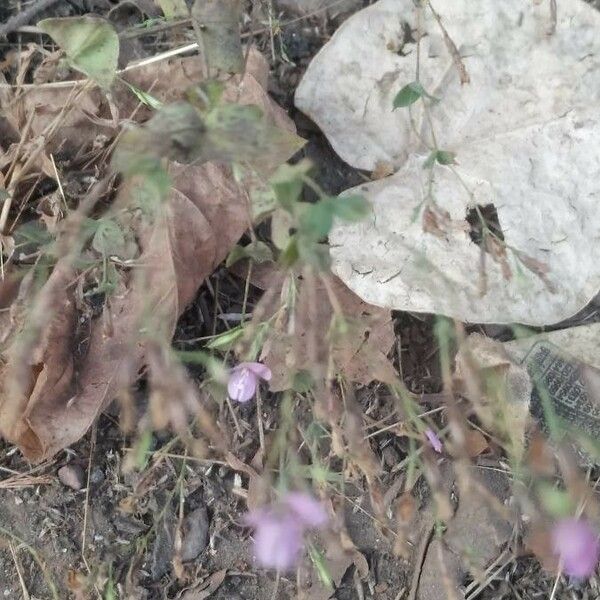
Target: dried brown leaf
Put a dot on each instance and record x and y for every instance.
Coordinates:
(475, 443)
(359, 352)
(207, 588)
(53, 389)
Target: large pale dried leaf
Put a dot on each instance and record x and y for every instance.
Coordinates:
(521, 145)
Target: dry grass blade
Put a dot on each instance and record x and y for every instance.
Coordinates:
(21, 481)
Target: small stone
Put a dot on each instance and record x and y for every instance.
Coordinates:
(72, 476)
(97, 476)
(195, 538)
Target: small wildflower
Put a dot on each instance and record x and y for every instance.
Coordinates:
(576, 545)
(434, 440)
(279, 529)
(309, 511)
(244, 379)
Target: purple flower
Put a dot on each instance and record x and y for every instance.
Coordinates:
(309, 511)
(277, 539)
(576, 545)
(244, 379)
(279, 529)
(434, 440)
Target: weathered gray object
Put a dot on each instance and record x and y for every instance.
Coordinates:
(525, 139)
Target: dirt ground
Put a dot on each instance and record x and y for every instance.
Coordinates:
(118, 530)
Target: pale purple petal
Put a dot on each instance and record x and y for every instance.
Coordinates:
(242, 384)
(258, 369)
(310, 512)
(576, 545)
(277, 540)
(434, 440)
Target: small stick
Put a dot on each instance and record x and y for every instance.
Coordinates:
(24, 591)
(259, 418)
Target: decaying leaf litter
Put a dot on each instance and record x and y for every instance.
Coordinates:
(369, 457)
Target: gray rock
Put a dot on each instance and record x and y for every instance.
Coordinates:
(195, 534)
(72, 476)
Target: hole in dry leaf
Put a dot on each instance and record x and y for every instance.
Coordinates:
(482, 217)
(407, 37)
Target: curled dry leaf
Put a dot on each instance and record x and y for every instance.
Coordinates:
(526, 148)
(52, 391)
(359, 338)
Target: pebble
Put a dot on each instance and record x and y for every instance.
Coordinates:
(72, 476)
(97, 476)
(195, 526)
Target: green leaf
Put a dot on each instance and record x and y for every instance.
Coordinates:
(242, 133)
(288, 181)
(430, 160)
(176, 132)
(145, 97)
(443, 157)
(90, 43)
(256, 251)
(555, 501)
(225, 340)
(320, 564)
(206, 95)
(303, 382)
(217, 26)
(409, 94)
(350, 208)
(3, 194)
(291, 254)
(108, 238)
(317, 220)
(31, 236)
(281, 224)
(150, 189)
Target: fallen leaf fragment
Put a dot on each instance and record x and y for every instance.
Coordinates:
(207, 588)
(359, 346)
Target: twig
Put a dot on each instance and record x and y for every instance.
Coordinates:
(259, 418)
(555, 587)
(25, 16)
(24, 590)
